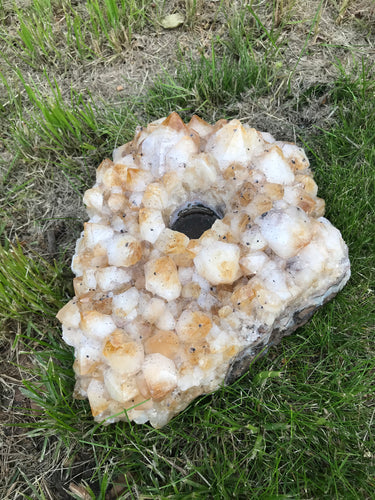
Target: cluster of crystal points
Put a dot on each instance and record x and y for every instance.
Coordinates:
(159, 318)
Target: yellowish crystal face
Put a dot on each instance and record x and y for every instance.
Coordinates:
(205, 243)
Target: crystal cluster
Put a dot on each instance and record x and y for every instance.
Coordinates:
(205, 244)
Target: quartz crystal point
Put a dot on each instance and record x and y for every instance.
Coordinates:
(205, 244)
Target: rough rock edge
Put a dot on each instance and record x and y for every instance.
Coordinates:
(247, 356)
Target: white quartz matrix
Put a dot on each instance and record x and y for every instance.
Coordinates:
(158, 318)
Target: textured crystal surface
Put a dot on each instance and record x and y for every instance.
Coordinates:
(163, 312)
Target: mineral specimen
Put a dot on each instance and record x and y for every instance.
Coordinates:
(205, 244)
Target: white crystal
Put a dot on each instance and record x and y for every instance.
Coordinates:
(158, 318)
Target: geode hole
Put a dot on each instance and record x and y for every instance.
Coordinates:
(194, 220)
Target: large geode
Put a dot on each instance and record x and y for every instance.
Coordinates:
(205, 244)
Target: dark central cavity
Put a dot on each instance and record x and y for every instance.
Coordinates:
(194, 220)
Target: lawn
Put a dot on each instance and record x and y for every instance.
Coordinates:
(75, 80)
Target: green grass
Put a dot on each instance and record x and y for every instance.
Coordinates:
(53, 33)
(59, 136)
(204, 84)
(27, 284)
(63, 127)
(345, 156)
(221, 75)
(114, 21)
(300, 423)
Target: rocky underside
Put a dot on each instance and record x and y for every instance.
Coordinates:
(205, 245)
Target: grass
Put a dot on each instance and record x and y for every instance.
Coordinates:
(204, 84)
(52, 33)
(299, 424)
(220, 75)
(27, 284)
